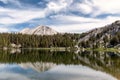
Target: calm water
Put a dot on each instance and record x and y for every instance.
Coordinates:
(59, 65)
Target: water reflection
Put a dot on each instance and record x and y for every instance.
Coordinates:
(59, 65)
(38, 66)
(58, 72)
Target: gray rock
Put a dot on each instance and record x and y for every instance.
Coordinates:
(40, 30)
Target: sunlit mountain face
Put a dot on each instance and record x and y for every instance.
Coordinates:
(31, 65)
(73, 16)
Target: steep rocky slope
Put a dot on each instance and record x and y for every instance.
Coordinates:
(40, 30)
(108, 35)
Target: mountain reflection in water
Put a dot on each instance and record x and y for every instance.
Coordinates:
(59, 65)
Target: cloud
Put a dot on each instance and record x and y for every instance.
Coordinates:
(75, 72)
(12, 3)
(58, 5)
(73, 19)
(63, 15)
(4, 1)
(12, 76)
(96, 7)
(104, 7)
(84, 7)
(4, 29)
(111, 6)
(52, 6)
(16, 16)
(82, 25)
(12, 16)
(8, 28)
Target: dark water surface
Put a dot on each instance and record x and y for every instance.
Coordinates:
(58, 65)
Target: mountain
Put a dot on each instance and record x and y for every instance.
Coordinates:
(107, 36)
(40, 30)
(38, 66)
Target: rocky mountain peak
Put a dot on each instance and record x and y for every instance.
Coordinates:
(40, 30)
(25, 30)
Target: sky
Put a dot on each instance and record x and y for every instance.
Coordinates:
(72, 16)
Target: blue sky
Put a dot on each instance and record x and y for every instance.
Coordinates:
(74, 16)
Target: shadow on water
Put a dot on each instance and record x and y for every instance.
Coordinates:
(108, 62)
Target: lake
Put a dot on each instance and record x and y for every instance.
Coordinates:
(32, 64)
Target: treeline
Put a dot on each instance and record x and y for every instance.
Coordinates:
(35, 41)
(116, 39)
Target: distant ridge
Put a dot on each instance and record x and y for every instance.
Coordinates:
(104, 35)
(40, 30)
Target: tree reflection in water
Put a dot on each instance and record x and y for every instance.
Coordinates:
(108, 62)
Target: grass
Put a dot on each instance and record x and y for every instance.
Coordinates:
(72, 49)
(104, 49)
(52, 48)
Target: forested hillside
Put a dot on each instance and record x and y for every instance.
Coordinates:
(36, 41)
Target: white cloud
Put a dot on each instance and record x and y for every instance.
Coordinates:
(8, 28)
(111, 6)
(85, 8)
(86, 25)
(15, 16)
(19, 16)
(73, 18)
(82, 7)
(96, 7)
(52, 6)
(3, 29)
(58, 5)
(68, 22)
(104, 7)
